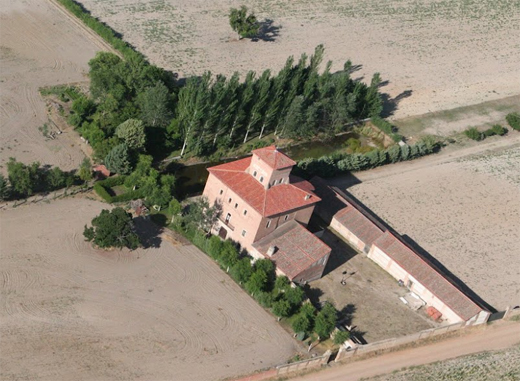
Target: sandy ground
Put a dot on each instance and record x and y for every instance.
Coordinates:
(448, 54)
(495, 337)
(462, 207)
(39, 46)
(70, 312)
(370, 298)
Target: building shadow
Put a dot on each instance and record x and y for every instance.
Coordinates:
(421, 252)
(267, 32)
(148, 232)
(313, 294)
(341, 252)
(452, 278)
(390, 105)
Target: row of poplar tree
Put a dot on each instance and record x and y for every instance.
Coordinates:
(299, 102)
(209, 113)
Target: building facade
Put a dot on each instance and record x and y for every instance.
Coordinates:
(258, 197)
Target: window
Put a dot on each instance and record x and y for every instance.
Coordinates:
(254, 174)
(261, 179)
(286, 217)
(268, 224)
(243, 233)
(221, 191)
(245, 212)
(229, 200)
(236, 205)
(228, 217)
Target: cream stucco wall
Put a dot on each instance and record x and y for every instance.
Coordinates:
(390, 266)
(347, 234)
(238, 221)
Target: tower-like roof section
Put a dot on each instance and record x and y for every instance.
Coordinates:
(275, 200)
(274, 158)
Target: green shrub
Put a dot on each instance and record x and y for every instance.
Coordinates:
(128, 196)
(265, 299)
(113, 181)
(341, 336)
(474, 134)
(386, 127)
(513, 119)
(497, 129)
(102, 192)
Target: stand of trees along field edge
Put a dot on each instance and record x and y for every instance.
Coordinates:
(141, 106)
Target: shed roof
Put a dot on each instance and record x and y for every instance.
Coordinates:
(428, 276)
(296, 248)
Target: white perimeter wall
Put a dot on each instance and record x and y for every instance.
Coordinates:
(391, 267)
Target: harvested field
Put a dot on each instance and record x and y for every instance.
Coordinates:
(40, 46)
(70, 312)
(500, 365)
(462, 207)
(444, 54)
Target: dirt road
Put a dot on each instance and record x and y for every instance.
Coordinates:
(496, 337)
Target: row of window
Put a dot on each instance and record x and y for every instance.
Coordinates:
(286, 217)
(236, 203)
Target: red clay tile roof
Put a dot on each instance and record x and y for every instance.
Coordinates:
(358, 224)
(338, 205)
(274, 158)
(296, 248)
(425, 274)
(278, 199)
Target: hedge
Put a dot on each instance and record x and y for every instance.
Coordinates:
(386, 127)
(103, 30)
(101, 189)
(329, 166)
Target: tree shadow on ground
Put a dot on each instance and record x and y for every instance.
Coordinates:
(267, 31)
(313, 294)
(148, 232)
(346, 314)
(390, 105)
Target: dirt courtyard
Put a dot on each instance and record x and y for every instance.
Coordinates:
(369, 300)
(446, 53)
(39, 46)
(462, 207)
(70, 312)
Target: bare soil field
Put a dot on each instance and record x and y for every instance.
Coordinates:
(39, 46)
(369, 300)
(451, 122)
(71, 312)
(462, 206)
(500, 365)
(448, 54)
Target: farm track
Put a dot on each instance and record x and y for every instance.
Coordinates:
(496, 337)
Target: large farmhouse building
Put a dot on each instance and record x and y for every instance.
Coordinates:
(266, 210)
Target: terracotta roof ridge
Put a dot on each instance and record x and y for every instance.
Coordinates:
(395, 239)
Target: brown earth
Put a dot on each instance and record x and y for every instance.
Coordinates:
(71, 312)
(495, 337)
(462, 206)
(369, 299)
(448, 53)
(39, 46)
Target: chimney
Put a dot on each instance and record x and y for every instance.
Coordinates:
(307, 196)
(271, 250)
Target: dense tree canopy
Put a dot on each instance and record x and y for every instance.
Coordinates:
(112, 229)
(118, 160)
(132, 133)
